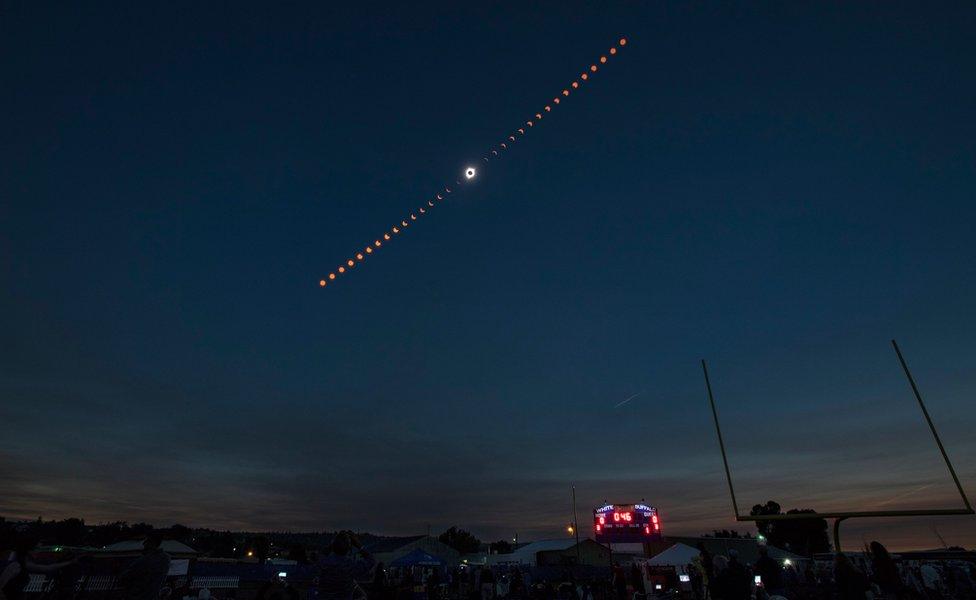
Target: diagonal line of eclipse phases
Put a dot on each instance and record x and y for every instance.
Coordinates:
(469, 173)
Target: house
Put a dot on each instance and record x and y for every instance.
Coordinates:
(388, 550)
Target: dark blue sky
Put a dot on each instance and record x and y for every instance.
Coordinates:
(778, 190)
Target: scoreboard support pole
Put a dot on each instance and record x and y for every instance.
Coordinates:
(579, 561)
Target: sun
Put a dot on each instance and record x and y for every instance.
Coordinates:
(470, 172)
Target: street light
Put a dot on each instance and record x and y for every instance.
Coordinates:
(569, 529)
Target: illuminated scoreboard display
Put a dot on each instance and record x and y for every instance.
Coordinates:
(626, 523)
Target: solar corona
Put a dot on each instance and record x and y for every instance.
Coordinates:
(469, 173)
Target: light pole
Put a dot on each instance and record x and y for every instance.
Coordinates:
(576, 527)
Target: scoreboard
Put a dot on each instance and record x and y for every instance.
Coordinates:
(626, 523)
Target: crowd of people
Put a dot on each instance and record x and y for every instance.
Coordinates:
(349, 572)
(878, 576)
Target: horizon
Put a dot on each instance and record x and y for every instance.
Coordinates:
(733, 534)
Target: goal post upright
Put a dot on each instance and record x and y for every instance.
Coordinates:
(840, 516)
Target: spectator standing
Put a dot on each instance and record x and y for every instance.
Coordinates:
(339, 571)
(636, 579)
(851, 583)
(619, 582)
(380, 588)
(143, 579)
(487, 581)
(737, 585)
(718, 583)
(770, 573)
(434, 584)
(697, 584)
(885, 572)
(517, 586)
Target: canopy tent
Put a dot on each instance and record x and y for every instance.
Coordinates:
(679, 555)
(418, 557)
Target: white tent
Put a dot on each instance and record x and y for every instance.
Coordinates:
(172, 547)
(678, 555)
(527, 554)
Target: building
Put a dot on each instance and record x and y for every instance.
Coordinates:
(387, 550)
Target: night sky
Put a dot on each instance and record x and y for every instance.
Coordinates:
(778, 190)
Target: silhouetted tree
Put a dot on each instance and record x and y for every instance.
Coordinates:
(108, 533)
(216, 544)
(460, 540)
(297, 553)
(724, 533)
(69, 532)
(261, 547)
(181, 533)
(803, 536)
